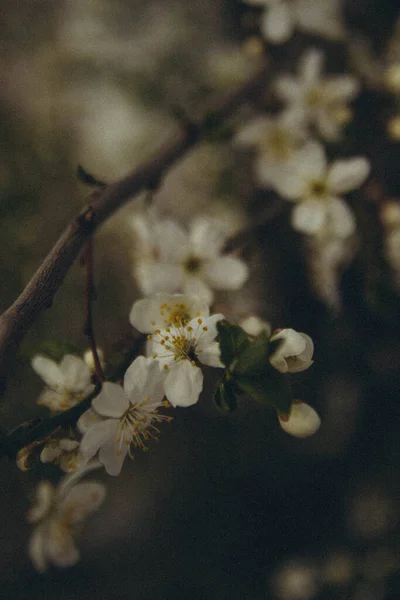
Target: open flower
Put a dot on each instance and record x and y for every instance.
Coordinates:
(57, 513)
(283, 16)
(124, 417)
(302, 421)
(180, 344)
(66, 383)
(316, 188)
(294, 353)
(170, 259)
(276, 138)
(318, 100)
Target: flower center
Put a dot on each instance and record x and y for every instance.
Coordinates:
(177, 315)
(318, 188)
(136, 426)
(192, 265)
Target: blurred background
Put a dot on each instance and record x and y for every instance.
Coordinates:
(223, 506)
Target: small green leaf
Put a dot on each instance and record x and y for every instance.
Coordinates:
(224, 397)
(232, 340)
(56, 350)
(254, 375)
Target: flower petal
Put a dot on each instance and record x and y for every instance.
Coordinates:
(310, 66)
(44, 499)
(144, 379)
(37, 549)
(48, 370)
(97, 436)
(157, 277)
(210, 355)
(207, 237)
(87, 419)
(309, 217)
(226, 273)
(183, 384)
(112, 401)
(303, 420)
(112, 456)
(277, 23)
(340, 219)
(61, 549)
(76, 373)
(346, 175)
(149, 313)
(81, 501)
(171, 241)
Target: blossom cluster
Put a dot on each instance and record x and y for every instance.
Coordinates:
(182, 338)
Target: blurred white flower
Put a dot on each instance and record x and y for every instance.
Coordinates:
(253, 326)
(303, 421)
(66, 383)
(276, 138)
(322, 17)
(327, 256)
(170, 259)
(317, 100)
(57, 512)
(181, 344)
(294, 353)
(296, 580)
(65, 453)
(316, 188)
(88, 358)
(124, 417)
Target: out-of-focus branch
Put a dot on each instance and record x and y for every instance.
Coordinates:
(40, 291)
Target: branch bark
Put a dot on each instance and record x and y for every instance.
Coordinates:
(39, 293)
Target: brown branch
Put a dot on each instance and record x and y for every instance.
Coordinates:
(40, 291)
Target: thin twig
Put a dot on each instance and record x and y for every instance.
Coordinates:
(39, 293)
(89, 297)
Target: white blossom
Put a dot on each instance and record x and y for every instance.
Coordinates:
(294, 353)
(124, 417)
(281, 17)
(180, 340)
(318, 100)
(275, 138)
(316, 187)
(66, 383)
(303, 421)
(170, 259)
(57, 513)
(253, 326)
(65, 453)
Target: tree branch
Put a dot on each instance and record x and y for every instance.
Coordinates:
(40, 291)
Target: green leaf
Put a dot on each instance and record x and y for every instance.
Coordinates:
(232, 340)
(254, 375)
(56, 350)
(224, 397)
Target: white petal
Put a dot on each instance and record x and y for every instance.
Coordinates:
(253, 133)
(341, 89)
(172, 241)
(207, 237)
(98, 435)
(210, 355)
(226, 273)
(309, 217)
(112, 401)
(197, 288)
(76, 373)
(159, 277)
(37, 549)
(183, 384)
(112, 456)
(61, 549)
(289, 182)
(346, 175)
(321, 18)
(310, 66)
(206, 331)
(310, 161)
(144, 378)
(303, 421)
(150, 313)
(277, 23)
(48, 370)
(43, 502)
(340, 218)
(253, 325)
(81, 501)
(87, 419)
(287, 89)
